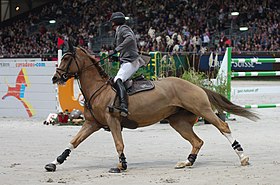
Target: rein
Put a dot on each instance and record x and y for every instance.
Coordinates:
(87, 102)
(66, 75)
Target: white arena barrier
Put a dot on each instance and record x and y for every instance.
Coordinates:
(26, 89)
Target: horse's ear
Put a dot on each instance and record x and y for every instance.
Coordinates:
(70, 46)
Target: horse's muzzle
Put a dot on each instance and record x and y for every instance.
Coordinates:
(55, 79)
(60, 79)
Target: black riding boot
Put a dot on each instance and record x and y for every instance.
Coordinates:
(121, 92)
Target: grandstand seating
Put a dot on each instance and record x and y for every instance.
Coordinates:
(185, 23)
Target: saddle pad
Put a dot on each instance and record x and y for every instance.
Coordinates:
(139, 86)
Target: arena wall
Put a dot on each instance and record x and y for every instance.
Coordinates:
(26, 89)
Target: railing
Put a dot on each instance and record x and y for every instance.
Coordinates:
(42, 56)
(50, 27)
(98, 42)
(256, 53)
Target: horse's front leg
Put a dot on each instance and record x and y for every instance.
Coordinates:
(116, 130)
(87, 129)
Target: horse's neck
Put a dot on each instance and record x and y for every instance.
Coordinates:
(91, 81)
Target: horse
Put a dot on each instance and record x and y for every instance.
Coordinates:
(173, 99)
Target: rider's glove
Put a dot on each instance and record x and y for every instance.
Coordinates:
(113, 55)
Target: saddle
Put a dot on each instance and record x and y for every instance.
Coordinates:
(138, 84)
(133, 86)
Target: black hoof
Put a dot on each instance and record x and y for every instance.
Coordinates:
(50, 167)
(114, 170)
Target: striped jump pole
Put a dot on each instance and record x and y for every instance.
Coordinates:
(260, 60)
(261, 73)
(261, 106)
(231, 74)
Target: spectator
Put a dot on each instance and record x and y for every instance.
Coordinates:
(223, 39)
(206, 40)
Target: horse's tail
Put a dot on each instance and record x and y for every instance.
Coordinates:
(221, 103)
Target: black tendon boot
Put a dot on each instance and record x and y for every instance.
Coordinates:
(121, 92)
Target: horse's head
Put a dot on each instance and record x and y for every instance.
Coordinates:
(68, 66)
(72, 64)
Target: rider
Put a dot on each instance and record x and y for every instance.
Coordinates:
(130, 60)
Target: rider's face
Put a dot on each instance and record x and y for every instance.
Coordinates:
(114, 26)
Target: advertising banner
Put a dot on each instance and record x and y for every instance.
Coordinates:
(26, 89)
(248, 66)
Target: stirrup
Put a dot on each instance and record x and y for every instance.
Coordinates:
(118, 109)
(123, 109)
(124, 113)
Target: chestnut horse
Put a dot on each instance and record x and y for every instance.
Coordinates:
(174, 99)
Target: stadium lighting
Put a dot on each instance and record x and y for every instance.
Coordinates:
(243, 28)
(234, 13)
(52, 21)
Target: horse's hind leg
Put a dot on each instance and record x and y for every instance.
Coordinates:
(223, 127)
(183, 122)
(87, 129)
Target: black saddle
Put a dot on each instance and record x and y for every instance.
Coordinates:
(138, 84)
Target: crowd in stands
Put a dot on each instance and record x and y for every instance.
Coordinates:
(159, 25)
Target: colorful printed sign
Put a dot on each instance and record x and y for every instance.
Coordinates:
(26, 89)
(18, 90)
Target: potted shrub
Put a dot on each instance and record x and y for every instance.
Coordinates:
(200, 79)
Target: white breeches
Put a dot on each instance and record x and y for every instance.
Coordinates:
(127, 70)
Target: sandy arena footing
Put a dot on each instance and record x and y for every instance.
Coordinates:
(27, 146)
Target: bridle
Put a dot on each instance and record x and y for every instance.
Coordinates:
(65, 75)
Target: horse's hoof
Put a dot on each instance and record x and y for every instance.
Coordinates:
(50, 167)
(245, 161)
(114, 170)
(182, 164)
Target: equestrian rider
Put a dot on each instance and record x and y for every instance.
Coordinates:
(130, 60)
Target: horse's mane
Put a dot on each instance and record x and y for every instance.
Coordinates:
(100, 70)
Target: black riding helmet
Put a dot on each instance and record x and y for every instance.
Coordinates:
(118, 18)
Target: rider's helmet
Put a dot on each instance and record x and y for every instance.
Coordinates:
(118, 18)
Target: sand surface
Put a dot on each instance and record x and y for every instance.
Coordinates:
(27, 146)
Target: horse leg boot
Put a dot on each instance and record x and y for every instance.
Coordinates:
(121, 92)
(223, 127)
(238, 149)
(183, 123)
(87, 129)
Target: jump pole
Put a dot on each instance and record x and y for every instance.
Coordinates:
(231, 74)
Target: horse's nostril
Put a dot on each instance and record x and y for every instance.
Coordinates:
(54, 79)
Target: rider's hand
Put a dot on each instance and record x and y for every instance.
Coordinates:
(112, 52)
(113, 55)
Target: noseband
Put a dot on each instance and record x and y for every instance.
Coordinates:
(64, 73)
